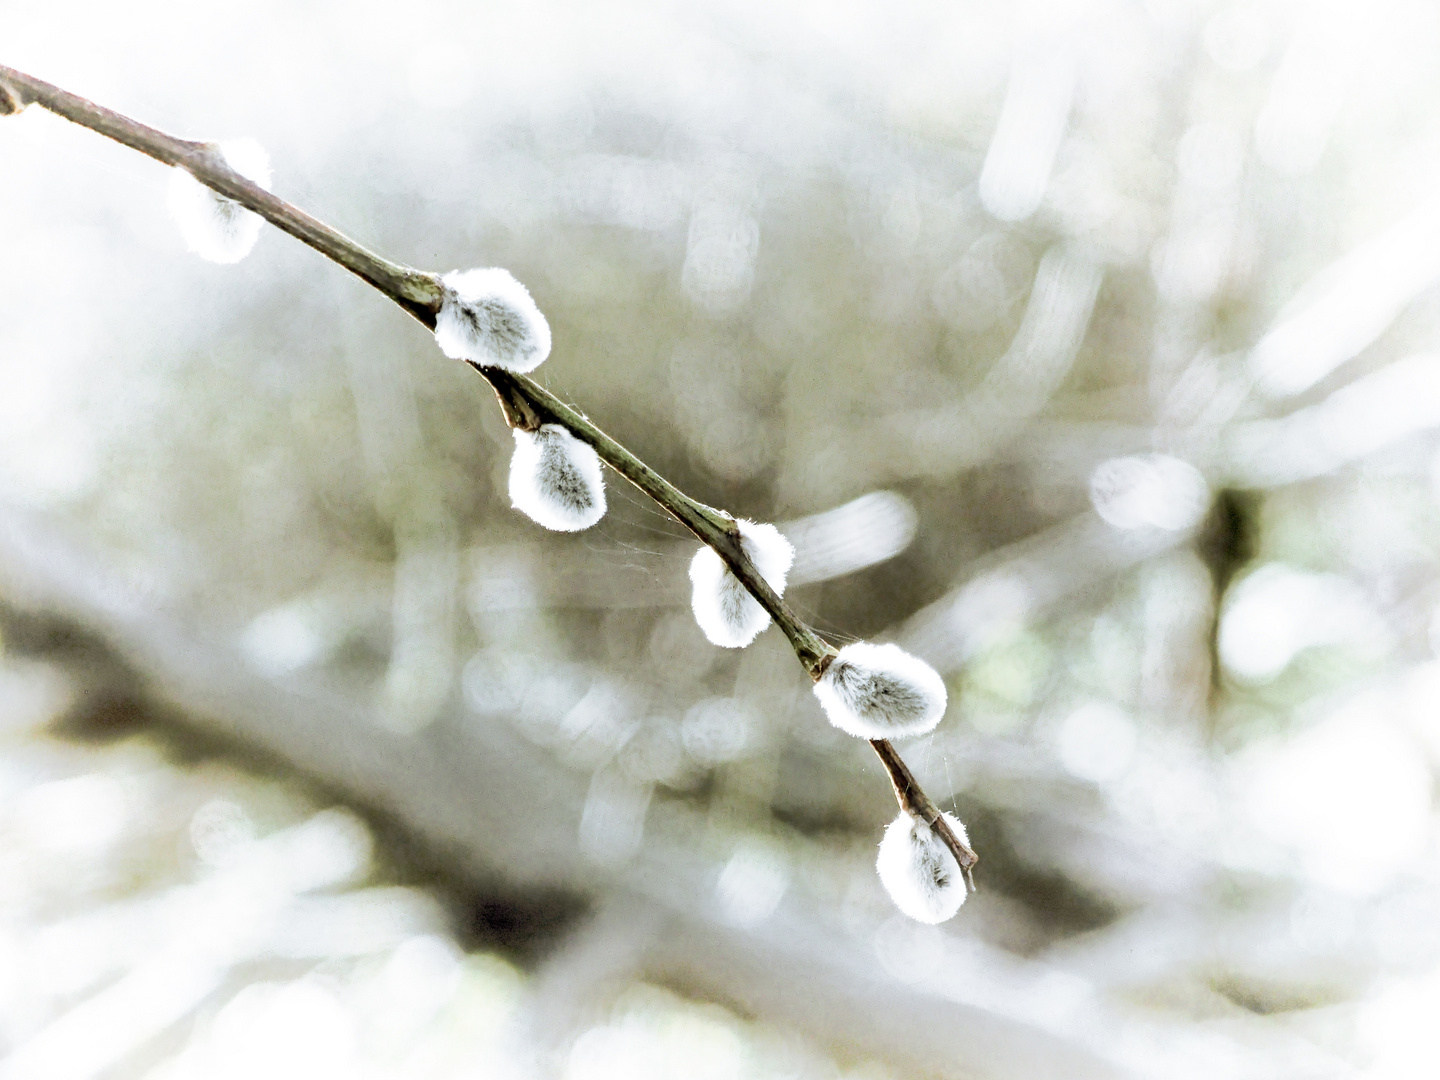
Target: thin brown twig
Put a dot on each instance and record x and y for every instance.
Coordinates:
(525, 403)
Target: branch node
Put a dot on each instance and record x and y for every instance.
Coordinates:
(11, 99)
(518, 411)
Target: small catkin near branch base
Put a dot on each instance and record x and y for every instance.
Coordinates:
(527, 405)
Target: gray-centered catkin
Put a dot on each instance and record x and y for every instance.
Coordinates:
(724, 608)
(918, 871)
(881, 692)
(555, 479)
(489, 318)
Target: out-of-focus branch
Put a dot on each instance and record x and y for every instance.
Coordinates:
(526, 404)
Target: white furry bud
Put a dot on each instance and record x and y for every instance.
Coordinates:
(215, 227)
(881, 692)
(488, 318)
(918, 871)
(724, 608)
(555, 479)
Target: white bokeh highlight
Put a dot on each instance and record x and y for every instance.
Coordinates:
(1155, 491)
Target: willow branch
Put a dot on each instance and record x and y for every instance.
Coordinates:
(526, 403)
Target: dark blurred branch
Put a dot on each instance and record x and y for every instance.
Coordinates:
(1227, 542)
(526, 404)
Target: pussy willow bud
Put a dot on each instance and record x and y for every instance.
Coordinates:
(555, 479)
(723, 607)
(488, 318)
(918, 870)
(881, 692)
(215, 227)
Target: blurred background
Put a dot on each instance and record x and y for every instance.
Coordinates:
(1088, 350)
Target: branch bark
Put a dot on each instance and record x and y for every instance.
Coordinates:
(526, 404)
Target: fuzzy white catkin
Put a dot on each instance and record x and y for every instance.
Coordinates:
(881, 692)
(488, 318)
(724, 608)
(215, 227)
(555, 479)
(919, 871)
